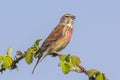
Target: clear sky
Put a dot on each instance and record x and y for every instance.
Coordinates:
(96, 38)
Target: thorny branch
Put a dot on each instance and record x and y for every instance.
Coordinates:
(21, 55)
(15, 61)
(80, 68)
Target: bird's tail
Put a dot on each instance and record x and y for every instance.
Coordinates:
(40, 58)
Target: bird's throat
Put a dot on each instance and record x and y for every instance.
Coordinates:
(69, 25)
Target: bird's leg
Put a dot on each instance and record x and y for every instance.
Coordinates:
(56, 54)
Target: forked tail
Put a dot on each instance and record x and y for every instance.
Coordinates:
(42, 56)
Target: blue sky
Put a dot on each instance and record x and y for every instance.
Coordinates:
(95, 39)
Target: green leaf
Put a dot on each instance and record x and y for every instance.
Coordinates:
(101, 76)
(1, 59)
(62, 57)
(67, 59)
(9, 51)
(29, 56)
(75, 60)
(7, 62)
(32, 50)
(93, 72)
(36, 44)
(65, 67)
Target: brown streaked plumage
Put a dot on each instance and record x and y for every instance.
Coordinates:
(58, 38)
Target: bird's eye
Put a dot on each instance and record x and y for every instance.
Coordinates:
(66, 16)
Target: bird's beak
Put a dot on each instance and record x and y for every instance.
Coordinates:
(74, 17)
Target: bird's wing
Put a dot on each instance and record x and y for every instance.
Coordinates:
(57, 33)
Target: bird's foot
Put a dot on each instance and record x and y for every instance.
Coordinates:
(56, 54)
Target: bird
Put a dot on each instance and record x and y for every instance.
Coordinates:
(57, 40)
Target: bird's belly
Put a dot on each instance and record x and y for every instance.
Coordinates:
(61, 43)
(58, 45)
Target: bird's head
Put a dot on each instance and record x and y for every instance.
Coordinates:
(67, 19)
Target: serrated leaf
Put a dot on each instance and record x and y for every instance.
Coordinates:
(62, 57)
(100, 77)
(7, 62)
(9, 51)
(75, 60)
(36, 44)
(29, 56)
(65, 67)
(93, 72)
(1, 59)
